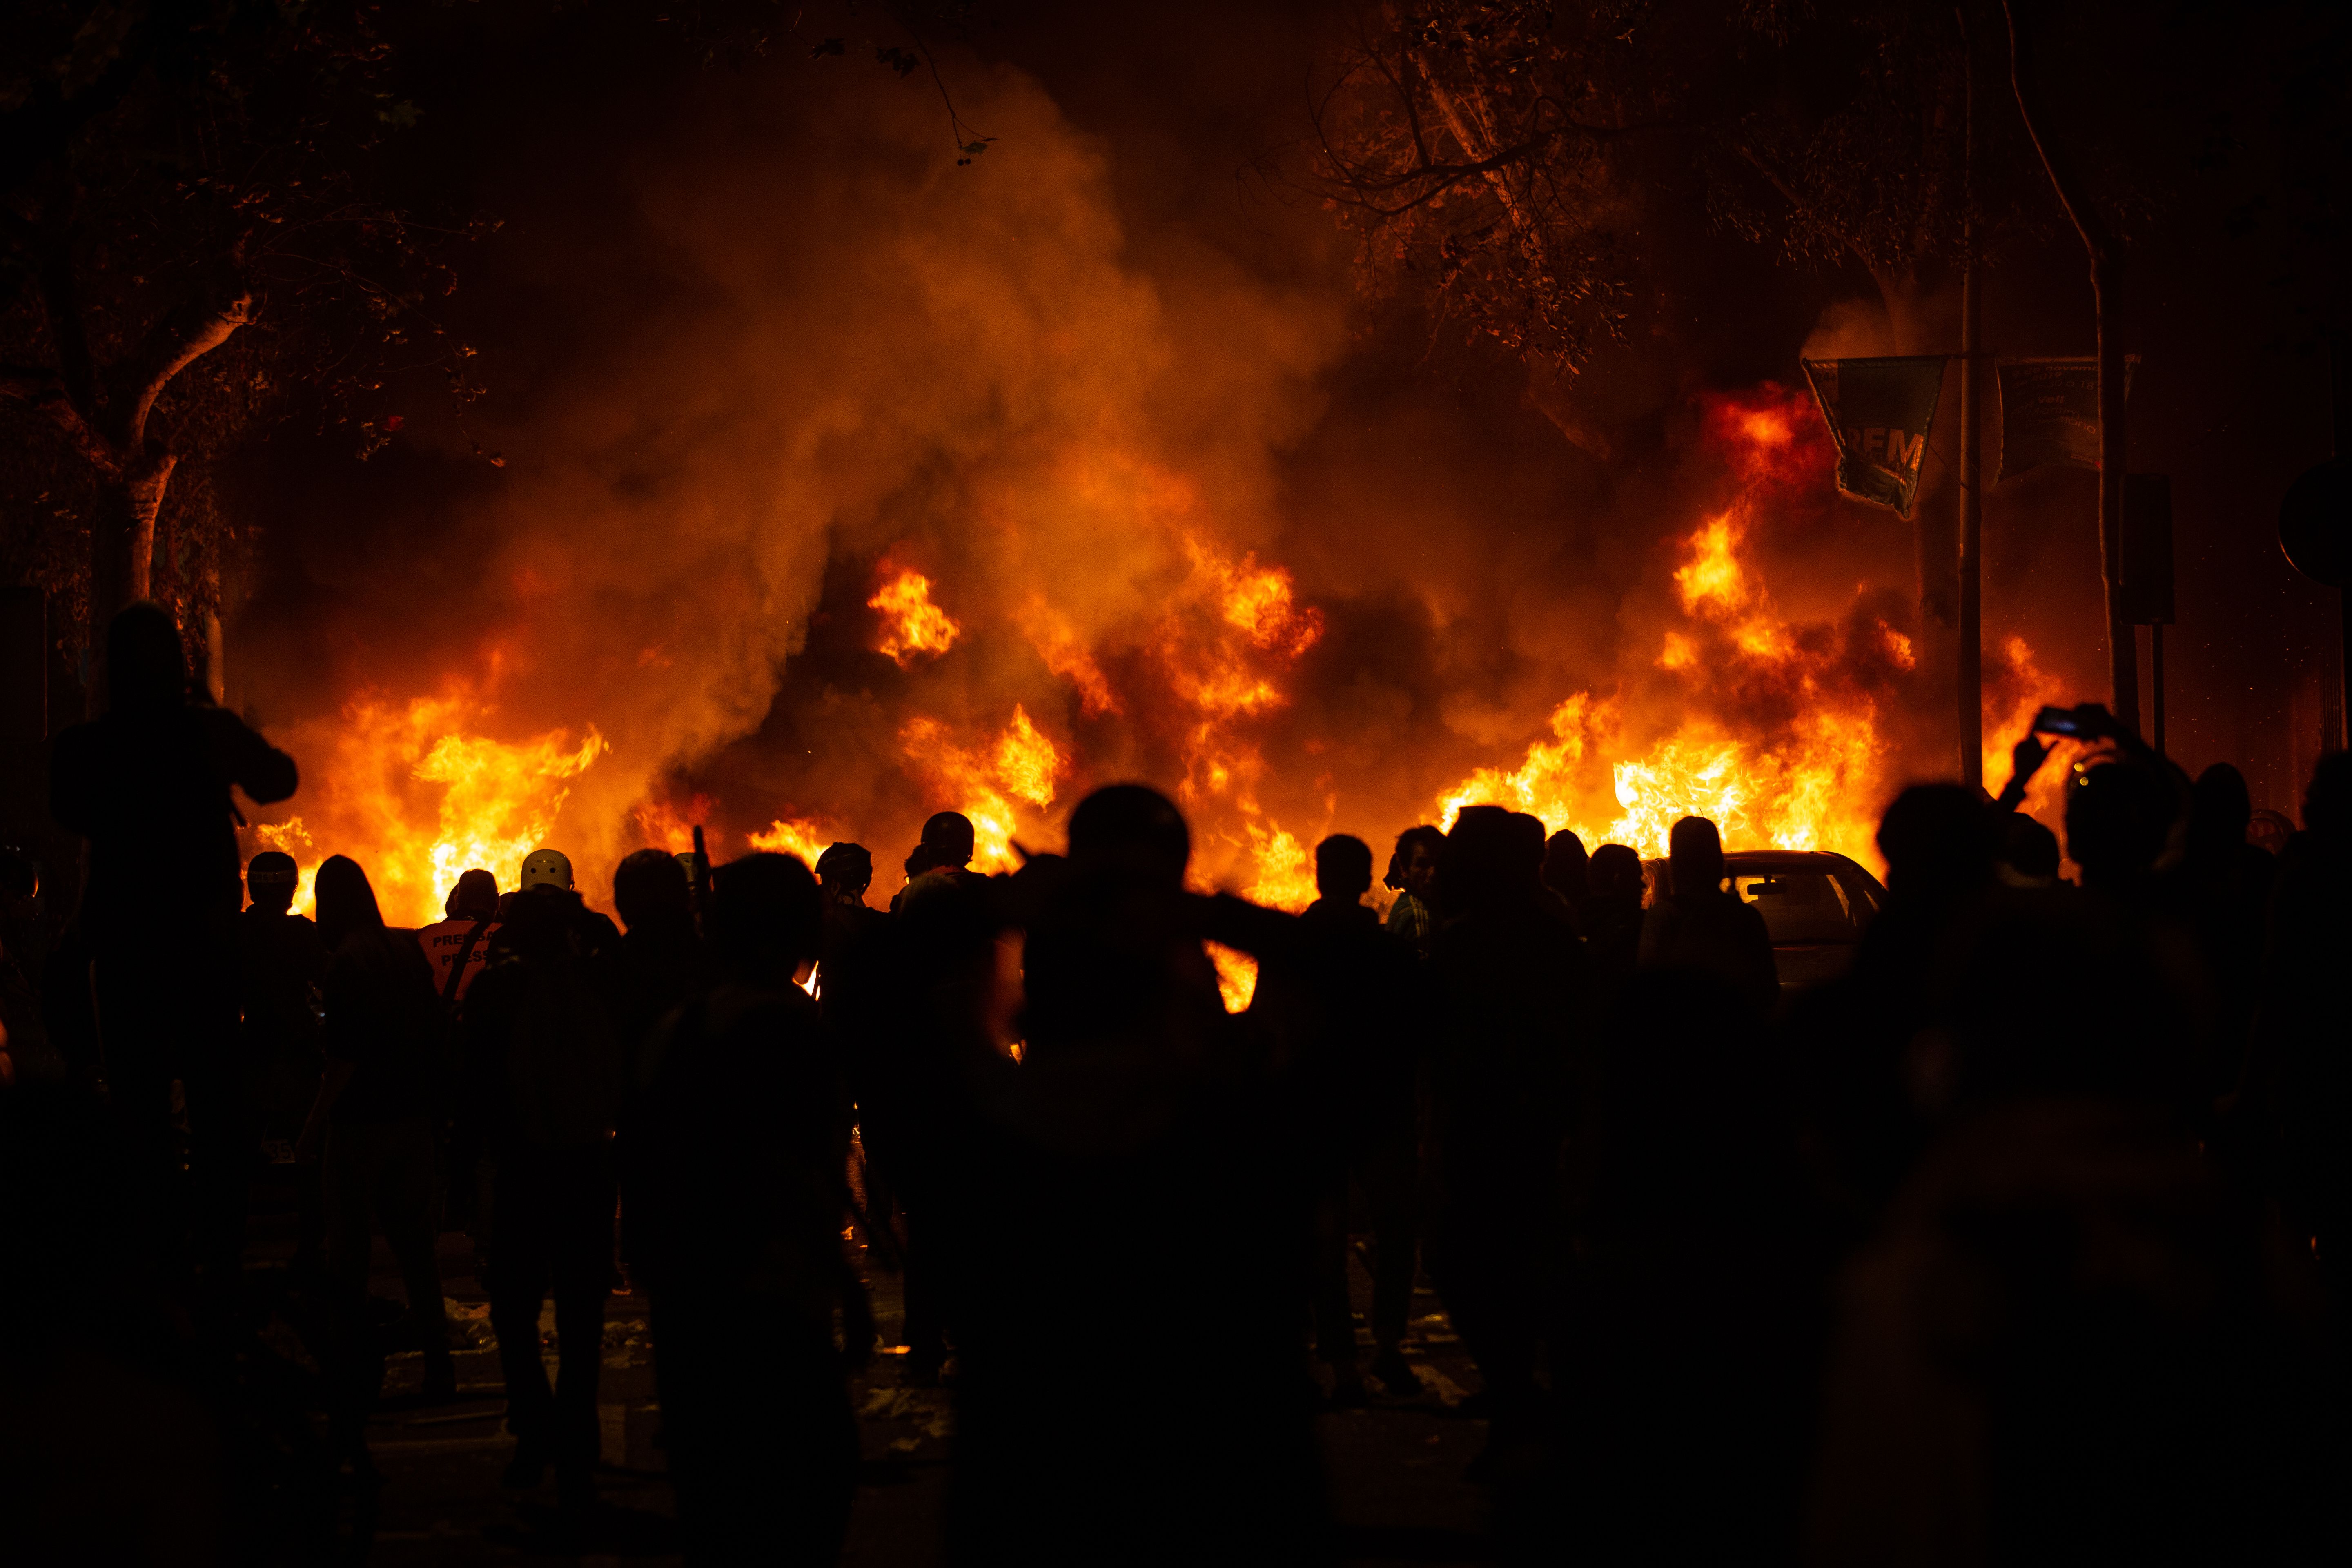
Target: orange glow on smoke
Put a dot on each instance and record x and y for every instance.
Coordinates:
(1771, 438)
(1066, 656)
(666, 826)
(418, 798)
(913, 626)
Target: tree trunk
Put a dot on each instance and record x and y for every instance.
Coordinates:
(123, 537)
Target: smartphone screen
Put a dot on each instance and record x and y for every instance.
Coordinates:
(2057, 722)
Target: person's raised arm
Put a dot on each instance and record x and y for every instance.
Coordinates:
(2025, 760)
(248, 761)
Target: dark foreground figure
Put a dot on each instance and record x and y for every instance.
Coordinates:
(733, 1190)
(2025, 1242)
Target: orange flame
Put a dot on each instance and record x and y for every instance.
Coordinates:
(1711, 583)
(793, 835)
(914, 625)
(1236, 976)
(1785, 753)
(1024, 764)
(490, 802)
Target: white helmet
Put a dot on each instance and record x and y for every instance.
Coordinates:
(546, 869)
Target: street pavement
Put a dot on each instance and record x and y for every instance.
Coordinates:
(1395, 1468)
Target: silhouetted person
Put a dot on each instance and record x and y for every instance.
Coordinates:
(1346, 1005)
(1565, 869)
(910, 1002)
(2222, 891)
(1698, 925)
(2117, 815)
(148, 786)
(734, 1211)
(1687, 1384)
(1509, 971)
(282, 962)
(920, 860)
(458, 946)
(2302, 1066)
(1991, 1395)
(543, 1064)
(1613, 933)
(1412, 872)
(1134, 1148)
(844, 873)
(2029, 854)
(1853, 1042)
(855, 993)
(662, 962)
(948, 835)
(371, 1131)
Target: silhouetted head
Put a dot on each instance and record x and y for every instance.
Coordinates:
(2116, 818)
(1483, 857)
(2219, 808)
(1132, 828)
(2269, 830)
(1566, 866)
(346, 902)
(948, 835)
(475, 898)
(1936, 839)
(1615, 873)
(922, 857)
(844, 871)
(1694, 856)
(2327, 803)
(2028, 849)
(270, 879)
(1412, 865)
(765, 917)
(1343, 868)
(650, 887)
(1526, 850)
(146, 668)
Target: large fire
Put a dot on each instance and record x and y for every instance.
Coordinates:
(1782, 748)
(418, 796)
(1730, 708)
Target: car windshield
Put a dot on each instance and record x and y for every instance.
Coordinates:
(1802, 906)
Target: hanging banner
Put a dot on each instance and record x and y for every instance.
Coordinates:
(1879, 412)
(2049, 412)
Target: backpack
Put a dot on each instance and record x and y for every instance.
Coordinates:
(553, 1074)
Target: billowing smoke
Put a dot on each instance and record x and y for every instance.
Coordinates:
(842, 483)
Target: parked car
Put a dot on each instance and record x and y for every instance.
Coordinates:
(1815, 904)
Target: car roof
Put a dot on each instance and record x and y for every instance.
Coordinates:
(1786, 859)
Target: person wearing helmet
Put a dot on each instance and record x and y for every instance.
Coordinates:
(543, 1054)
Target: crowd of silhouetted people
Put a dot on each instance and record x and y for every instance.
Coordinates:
(2024, 1239)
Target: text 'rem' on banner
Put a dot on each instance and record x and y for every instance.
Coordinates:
(1880, 412)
